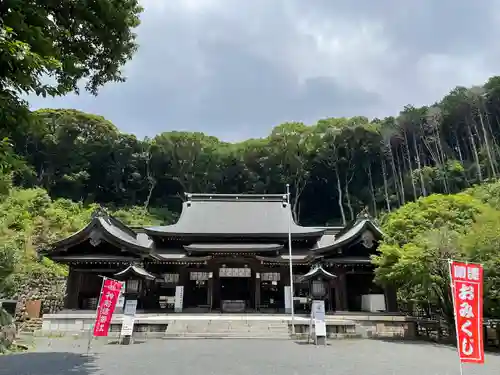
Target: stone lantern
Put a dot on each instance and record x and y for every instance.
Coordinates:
(318, 279)
(134, 276)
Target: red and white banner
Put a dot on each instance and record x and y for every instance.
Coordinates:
(109, 296)
(467, 292)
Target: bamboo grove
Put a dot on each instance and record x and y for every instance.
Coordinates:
(336, 167)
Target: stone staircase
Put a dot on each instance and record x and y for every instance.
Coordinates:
(245, 329)
(30, 325)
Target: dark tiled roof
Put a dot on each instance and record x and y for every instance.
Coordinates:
(233, 248)
(104, 227)
(348, 260)
(350, 233)
(180, 257)
(246, 215)
(98, 257)
(284, 259)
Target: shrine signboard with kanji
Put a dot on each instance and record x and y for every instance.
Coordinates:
(467, 292)
(109, 296)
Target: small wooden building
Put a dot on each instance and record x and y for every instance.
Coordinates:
(228, 252)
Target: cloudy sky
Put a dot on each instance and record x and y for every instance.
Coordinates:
(235, 68)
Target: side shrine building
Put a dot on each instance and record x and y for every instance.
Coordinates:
(228, 254)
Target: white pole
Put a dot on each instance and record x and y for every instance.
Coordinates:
(292, 308)
(452, 286)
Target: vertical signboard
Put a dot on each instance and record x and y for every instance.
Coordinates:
(179, 298)
(467, 293)
(121, 298)
(318, 315)
(287, 290)
(128, 317)
(107, 303)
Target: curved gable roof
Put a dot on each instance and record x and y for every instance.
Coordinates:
(317, 270)
(104, 227)
(349, 234)
(134, 270)
(226, 215)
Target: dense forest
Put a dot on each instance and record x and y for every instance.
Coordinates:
(336, 167)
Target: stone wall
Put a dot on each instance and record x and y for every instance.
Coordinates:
(388, 329)
(7, 331)
(51, 294)
(365, 326)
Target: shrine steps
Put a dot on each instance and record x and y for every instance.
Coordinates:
(228, 329)
(210, 325)
(30, 325)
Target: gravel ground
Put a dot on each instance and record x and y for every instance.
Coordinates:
(65, 356)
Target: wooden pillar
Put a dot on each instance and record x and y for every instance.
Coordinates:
(183, 276)
(257, 291)
(210, 290)
(391, 301)
(72, 289)
(330, 295)
(342, 292)
(338, 297)
(285, 275)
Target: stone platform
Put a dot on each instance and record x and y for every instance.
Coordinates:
(340, 325)
(244, 329)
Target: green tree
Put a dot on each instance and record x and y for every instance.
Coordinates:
(290, 146)
(419, 239)
(481, 244)
(67, 41)
(30, 220)
(49, 47)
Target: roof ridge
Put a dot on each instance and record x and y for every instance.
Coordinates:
(236, 197)
(122, 226)
(101, 213)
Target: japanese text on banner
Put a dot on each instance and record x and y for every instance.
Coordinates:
(109, 297)
(467, 286)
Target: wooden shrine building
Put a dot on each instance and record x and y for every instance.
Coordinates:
(229, 253)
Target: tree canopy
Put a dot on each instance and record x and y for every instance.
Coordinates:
(48, 47)
(30, 220)
(422, 236)
(336, 167)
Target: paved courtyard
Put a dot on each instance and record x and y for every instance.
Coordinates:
(239, 357)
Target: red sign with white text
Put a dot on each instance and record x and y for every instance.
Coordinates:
(467, 288)
(109, 296)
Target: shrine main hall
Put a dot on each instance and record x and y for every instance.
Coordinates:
(225, 254)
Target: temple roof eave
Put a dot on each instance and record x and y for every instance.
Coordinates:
(233, 248)
(134, 270)
(351, 234)
(92, 258)
(285, 259)
(315, 271)
(180, 258)
(103, 227)
(170, 231)
(345, 260)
